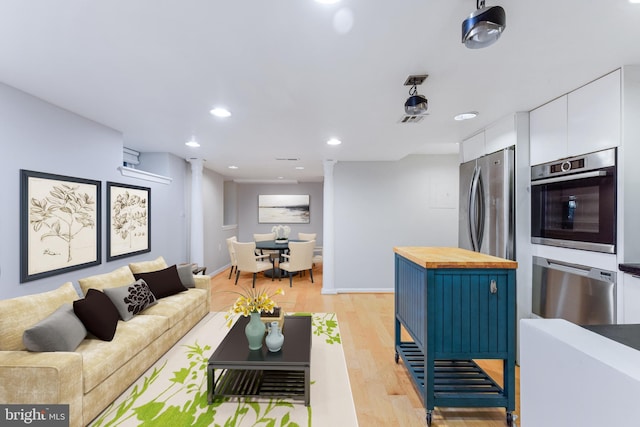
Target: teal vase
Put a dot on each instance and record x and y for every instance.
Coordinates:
(255, 332)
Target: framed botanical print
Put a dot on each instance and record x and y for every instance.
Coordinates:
(60, 225)
(129, 220)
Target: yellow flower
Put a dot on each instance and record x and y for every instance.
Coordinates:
(252, 300)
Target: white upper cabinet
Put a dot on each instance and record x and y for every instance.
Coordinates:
(594, 116)
(473, 147)
(548, 131)
(501, 134)
(583, 121)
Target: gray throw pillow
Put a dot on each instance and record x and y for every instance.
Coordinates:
(60, 331)
(185, 272)
(131, 299)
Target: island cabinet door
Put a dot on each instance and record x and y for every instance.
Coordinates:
(471, 313)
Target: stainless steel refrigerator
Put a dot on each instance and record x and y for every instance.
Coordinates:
(487, 207)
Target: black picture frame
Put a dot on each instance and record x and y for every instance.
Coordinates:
(60, 224)
(129, 220)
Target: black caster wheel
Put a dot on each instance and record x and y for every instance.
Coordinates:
(397, 357)
(509, 419)
(429, 416)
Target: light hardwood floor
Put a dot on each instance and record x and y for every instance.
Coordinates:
(382, 390)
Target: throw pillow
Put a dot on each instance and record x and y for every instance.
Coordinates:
(60, 331)
(131, 299)
(163, 283)
(98, 314)
(185, 272)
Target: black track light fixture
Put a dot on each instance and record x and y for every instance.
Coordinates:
(484, 26)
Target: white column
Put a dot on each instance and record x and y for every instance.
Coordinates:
(328, 265)
(197, 214)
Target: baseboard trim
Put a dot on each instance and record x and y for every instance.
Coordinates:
(365, 290)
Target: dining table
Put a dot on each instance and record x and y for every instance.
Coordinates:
(274, 245)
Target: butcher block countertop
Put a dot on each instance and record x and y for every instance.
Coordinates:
(435, 257)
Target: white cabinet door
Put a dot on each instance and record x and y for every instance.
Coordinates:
(501, 134)
(594, 116)
(548, 131)
(473, 147)
(631, 298)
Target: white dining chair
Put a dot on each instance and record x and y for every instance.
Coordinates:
(249, 262)
(307, 236)
(299, 259)
(262, 237)
(232, 254)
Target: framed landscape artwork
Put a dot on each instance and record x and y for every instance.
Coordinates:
(282, 209)
(59, 224)
(129, 220)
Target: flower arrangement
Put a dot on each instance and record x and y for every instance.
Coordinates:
(282, 231)
(252, 300)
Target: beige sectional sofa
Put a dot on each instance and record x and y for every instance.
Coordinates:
(92, 376)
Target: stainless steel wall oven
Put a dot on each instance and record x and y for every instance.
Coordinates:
(577, 293)
(573, 202)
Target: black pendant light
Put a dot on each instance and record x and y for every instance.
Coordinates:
(416, 104)
(484, 26)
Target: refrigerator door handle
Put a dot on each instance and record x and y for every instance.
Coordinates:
(481, 211)
(473, 209)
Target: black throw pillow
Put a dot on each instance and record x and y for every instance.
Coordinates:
(163, 283)
(98, 314)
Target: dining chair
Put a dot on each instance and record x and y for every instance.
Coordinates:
(249, 262)
(232, 254)
(257, 237)
(307, 236)
(317, 251)
(299, 259)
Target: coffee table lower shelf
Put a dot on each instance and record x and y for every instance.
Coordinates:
(261, 383)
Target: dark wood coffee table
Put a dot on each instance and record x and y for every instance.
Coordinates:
(234, 370)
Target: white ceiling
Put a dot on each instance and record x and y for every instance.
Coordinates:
(294, 74)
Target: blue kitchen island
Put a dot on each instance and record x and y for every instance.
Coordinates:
(456, 305)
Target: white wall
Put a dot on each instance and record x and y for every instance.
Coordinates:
(38, 136)
(247, 199)
(379, 205)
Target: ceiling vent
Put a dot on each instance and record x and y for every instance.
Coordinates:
(288, 159)
(411, 118)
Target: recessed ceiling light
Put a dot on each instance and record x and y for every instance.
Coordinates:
(300, 168)
(327, 1)
(466, 116)
(634, 1)
(233, 167)
(192, 143)
(220, 112)
(334, 141)
(281, 177)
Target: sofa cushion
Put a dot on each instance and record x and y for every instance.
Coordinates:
(119, 277)
(98, 314)
(163, 283)
(18, 314)
(100, 359)
(147, 266)
(131, 299)
(185, 271)
(178, 306)
(60, 331)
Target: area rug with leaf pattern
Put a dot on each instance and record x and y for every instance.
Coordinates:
(173, 392)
